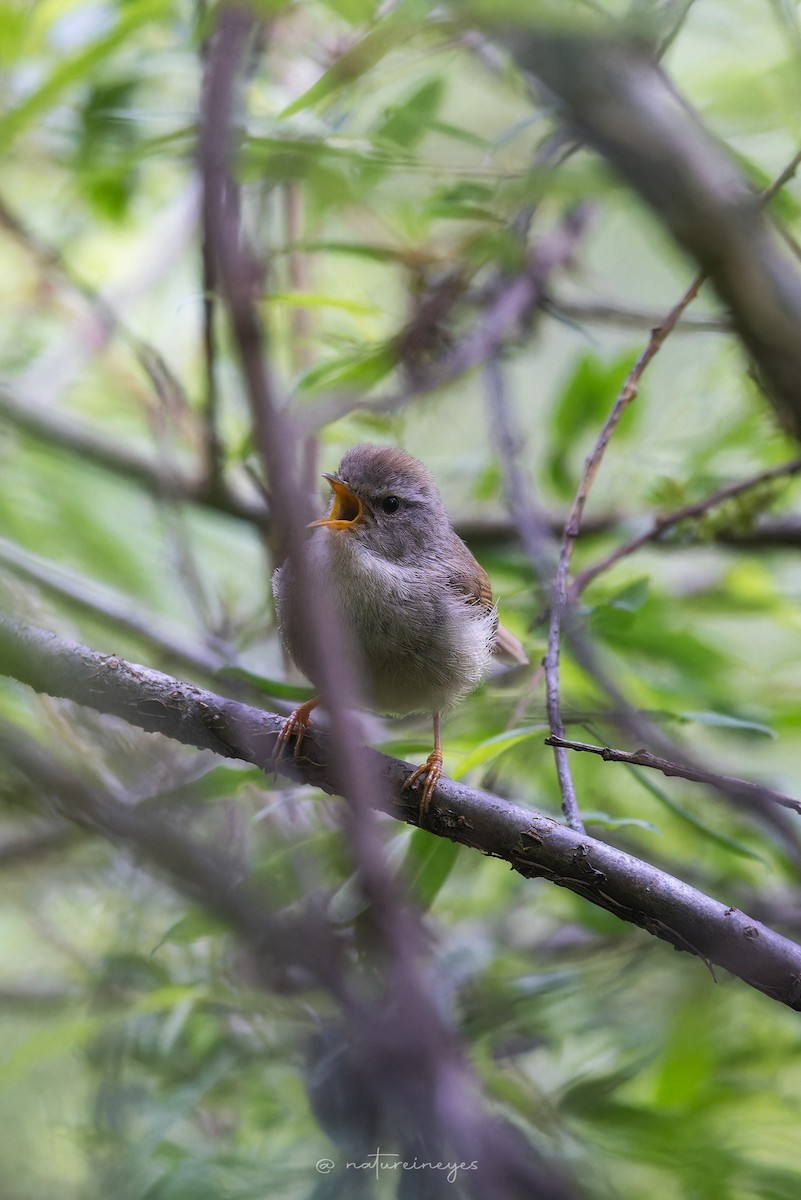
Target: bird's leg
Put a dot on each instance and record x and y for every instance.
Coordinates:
(430, 771)
(294, 726)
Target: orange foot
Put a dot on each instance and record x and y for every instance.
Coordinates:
(294, 726)
(430, 771)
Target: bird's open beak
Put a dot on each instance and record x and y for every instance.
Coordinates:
(346, 507)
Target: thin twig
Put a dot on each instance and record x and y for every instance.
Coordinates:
(783, 177)
(300, 322)
(530, 523)
(644, 758)
(74, 436)
(560, 600)
(668, 521)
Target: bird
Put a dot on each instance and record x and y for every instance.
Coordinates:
(412, 598)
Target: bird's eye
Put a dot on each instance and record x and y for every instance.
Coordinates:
(390, 504)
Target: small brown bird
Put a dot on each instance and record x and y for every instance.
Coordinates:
(409, 592)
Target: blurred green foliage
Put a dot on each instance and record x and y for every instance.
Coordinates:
(385, 150)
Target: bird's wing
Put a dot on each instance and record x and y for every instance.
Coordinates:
(472, 581)
(468, 577)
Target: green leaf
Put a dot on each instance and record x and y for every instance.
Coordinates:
(362, 370)
(650, 631)
(13, 27)
(406, 123)
(54, 1040)
(583, 404)
(594, 817)
(195, 925)
(428, 863)
(466, 191)
(334, 164)
(390, 31)
(382, 254)
(461, 212)
(355, 12)
(217, 783)
(725, 721)
(712, 834)
(75, 68)
(490, 749)
(632, 597)
(467, 136)
(270, 687)
(318, 300)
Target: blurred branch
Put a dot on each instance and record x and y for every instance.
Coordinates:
(419, 1076)
(204, 875)
(76, 437)
(622, 104)
(291, 952)
(32, 846)
(668, 521)
(534, 537)
(644, 758)
(766, 533)
(555, 251)
(598, 311)
(36, 1000)
(211, 402)
(112, 607)
(534, 845)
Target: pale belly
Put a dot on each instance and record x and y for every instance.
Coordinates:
(422, 647)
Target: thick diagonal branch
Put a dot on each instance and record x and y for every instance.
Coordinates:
(534, 845)
(621, 103)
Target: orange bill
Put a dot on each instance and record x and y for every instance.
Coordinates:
(346, 507)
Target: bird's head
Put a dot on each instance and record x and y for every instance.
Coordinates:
(386, 499)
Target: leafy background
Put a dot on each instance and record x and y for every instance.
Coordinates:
(383, 152)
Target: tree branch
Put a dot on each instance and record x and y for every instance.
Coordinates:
(622, 104)
(644, 758)
(687, 512)
(536, 846)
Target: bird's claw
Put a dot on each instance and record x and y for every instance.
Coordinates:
(431, 772)
(294, 727)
